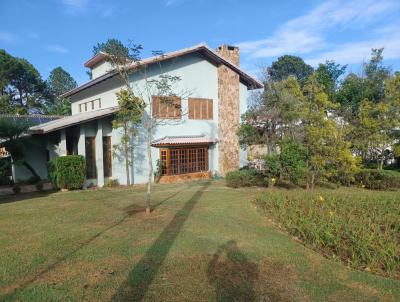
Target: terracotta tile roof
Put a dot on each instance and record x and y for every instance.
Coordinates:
(72, 120)
(202, 48)
(183, 140)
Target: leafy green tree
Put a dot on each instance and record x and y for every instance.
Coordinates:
(131, 107)
(350, 94)
(22, 83)
(375, 76)
(329, 155)
(375, 130)
(276, 114)
(128, 118)
(58, 83)
(328, 74)
(369, 85)
(288, 65)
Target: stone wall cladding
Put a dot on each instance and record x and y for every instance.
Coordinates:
(229, 113)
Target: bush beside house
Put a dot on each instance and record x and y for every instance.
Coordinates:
(378, 179)
(67, 172)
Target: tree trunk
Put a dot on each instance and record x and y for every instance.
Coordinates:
(30, 168)
(381, 163)
(150, 166)
(312, 181)
(128, 178)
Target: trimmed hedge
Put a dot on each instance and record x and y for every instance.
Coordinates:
(68, 172)
(244, 178)
(378, 179)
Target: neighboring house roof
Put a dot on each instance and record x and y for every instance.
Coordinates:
(34, 119)
(183, 140)
(72, 120)
(203, 49)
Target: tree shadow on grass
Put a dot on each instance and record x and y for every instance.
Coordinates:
(128, 212)
(135, 209)
(232, 275)
(24, 196)
(142, 275)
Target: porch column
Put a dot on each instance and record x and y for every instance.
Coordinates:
(63, 143)
(99, 153)
(82, 147)
(81, 141)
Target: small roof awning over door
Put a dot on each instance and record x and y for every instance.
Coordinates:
(187, 140)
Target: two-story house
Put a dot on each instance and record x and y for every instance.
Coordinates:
(200, 142)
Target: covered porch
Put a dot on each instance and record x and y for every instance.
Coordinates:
(87, 134)
(183, 158)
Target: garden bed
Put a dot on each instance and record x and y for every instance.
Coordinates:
(359, 227)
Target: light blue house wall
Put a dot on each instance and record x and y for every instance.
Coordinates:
(199, 78)
(36, 156)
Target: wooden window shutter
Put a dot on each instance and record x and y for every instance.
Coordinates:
(177, 107)
(167, 107)
(200, 109)
(191, 108)
(155, 106)
(210, 109)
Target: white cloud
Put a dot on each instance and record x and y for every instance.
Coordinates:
(6, 37)
(355, 52)
(56, 48)
(309, 33)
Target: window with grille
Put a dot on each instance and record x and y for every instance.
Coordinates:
(166, 107)
(200, 109)
(177, 161)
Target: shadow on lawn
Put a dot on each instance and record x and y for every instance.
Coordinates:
(142, 275)
(24, 196)
(129, 211)
(232, 275)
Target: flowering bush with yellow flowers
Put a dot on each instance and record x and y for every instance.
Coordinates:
(360, 227)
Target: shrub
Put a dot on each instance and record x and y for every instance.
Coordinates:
(273, 165)
(51, 169)
(111, 183)
(378, 179)
(70, 171)
(359, 227)
(16, 189)
(244, 178)
(284, 184)
(289, 164)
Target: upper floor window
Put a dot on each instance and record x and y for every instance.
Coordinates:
(166, 107)
(200, 109)
(90, 105)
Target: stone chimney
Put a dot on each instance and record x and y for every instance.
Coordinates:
(230, 53)
(228, 111)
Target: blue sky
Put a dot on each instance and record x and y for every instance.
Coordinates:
(51, 33)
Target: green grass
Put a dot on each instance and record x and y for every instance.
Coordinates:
(203, 242)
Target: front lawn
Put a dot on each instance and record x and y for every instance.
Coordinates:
(203, 242)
